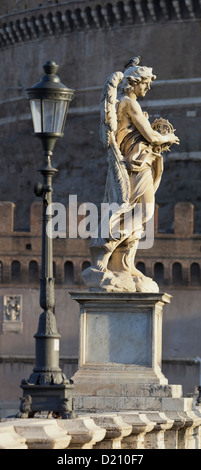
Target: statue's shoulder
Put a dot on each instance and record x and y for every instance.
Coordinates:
(124, 101)
(128, 103)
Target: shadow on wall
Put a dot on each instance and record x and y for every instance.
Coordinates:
(185, 372)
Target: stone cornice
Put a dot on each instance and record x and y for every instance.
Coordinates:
(85, 15)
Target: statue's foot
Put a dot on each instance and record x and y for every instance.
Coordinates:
(145, 284)
(136, 272)
(105, 280)
(98, 277)
(100, 266)
(100, 258)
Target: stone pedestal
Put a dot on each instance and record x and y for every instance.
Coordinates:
(120, 354)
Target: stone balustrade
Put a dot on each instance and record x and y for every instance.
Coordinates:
(69, 17)
(85, 432)
(116, 429)
(123, 430)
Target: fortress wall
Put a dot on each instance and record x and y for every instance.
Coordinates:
(86, 55)
(87, 49)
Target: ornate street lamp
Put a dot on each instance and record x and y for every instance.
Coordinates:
(47, 389)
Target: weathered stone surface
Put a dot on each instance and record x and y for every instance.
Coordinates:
(120, 352)
(10, 439)
(189, 433)
(42, 434)
(141, 425)
(155, 439)
(177, 404)
(125, 430)
(83, 431)
(116, 430)
(171, 439)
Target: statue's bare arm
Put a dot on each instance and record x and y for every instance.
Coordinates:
(135, 114)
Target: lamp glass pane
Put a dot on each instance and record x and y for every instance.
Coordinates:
(60, 115)
(48, 115)
(36, 114)
(54, 114)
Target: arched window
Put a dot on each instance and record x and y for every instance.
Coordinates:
(54, 269)
(159, 273)
(1, 272)
(177, 274)
(33, 271)
(195, 274)
(141, 266)
(68, 272)
(15, 271)
(85, 265)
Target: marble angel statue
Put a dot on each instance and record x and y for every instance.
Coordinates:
(135, 165)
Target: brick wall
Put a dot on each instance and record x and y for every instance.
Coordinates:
(174, 259)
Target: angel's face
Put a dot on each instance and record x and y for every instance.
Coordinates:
(141, 88)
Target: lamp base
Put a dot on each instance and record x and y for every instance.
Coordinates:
(57, 398)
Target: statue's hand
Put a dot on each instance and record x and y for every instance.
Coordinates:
(172, 139)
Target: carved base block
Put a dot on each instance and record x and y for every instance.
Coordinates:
(120, 353)
(50, 398)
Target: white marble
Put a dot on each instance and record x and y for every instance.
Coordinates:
(119, 337)
(134, 148)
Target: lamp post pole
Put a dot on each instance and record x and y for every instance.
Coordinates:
(47, 388)
(47, 338)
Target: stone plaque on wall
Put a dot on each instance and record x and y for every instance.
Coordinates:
(12, 313)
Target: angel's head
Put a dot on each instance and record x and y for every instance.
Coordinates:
(137, 79)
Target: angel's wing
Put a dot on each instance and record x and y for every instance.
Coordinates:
(108, 115)
(108, 128)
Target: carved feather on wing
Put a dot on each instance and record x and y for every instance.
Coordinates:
(108, 128)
